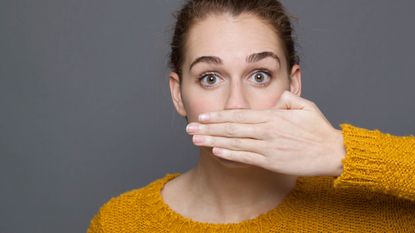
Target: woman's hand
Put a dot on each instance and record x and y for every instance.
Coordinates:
(292, 138)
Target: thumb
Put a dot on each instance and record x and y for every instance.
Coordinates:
(289, 100)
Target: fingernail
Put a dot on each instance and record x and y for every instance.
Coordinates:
(217, 151)
(192, 128)
(197, 139)
(203, 117)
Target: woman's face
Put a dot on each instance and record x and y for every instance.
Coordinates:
(232, 63)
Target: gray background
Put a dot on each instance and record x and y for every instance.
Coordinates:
(85, 109)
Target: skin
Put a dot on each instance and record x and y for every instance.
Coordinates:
(247, 98)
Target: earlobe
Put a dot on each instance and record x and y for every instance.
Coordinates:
(176, 95)
(295, 80)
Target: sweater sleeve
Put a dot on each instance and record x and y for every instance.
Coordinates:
(379, 161)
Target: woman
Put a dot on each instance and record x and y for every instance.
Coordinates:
(283, 165)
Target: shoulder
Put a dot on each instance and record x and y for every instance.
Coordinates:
(127, 208)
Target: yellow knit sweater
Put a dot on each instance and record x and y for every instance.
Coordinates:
(375, 193)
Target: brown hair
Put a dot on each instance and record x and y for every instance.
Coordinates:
(271, 11)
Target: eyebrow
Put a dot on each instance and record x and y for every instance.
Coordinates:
(255, 57)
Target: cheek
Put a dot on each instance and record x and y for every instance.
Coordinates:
(268, 97)
(197, 107)
(263, 100)
(196, 103)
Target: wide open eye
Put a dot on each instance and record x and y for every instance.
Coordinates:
(209, 80)
(261, 78)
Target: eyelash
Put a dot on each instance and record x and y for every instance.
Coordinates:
(265, 71)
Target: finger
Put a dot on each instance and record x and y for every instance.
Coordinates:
(289, 100)
(235, 115)
(240, 156)
(233, 130)
(244, 144)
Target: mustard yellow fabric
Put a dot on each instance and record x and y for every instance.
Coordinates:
(378, 161)
(375, 193)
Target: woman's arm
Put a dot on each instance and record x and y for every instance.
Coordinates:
(379, 161)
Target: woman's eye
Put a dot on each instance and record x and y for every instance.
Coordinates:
(209, 79)
(261, 77)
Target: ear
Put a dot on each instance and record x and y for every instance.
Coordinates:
(176, 95)
(295, 80)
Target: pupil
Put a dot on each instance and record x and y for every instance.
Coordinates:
(211, 79)
(259, 77)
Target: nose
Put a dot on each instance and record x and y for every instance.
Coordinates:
(236, 98)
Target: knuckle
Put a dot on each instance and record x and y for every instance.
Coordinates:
(236, 143)
(238, 116)
(247, 159)
(230, 130)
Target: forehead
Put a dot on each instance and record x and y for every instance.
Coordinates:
(231, 37)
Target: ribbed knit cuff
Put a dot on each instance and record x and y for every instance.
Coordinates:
(363, 163)
(378, 161)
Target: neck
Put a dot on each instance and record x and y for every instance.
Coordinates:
(229, 188)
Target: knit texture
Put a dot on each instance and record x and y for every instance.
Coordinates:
(375, 193)
(379, 161)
